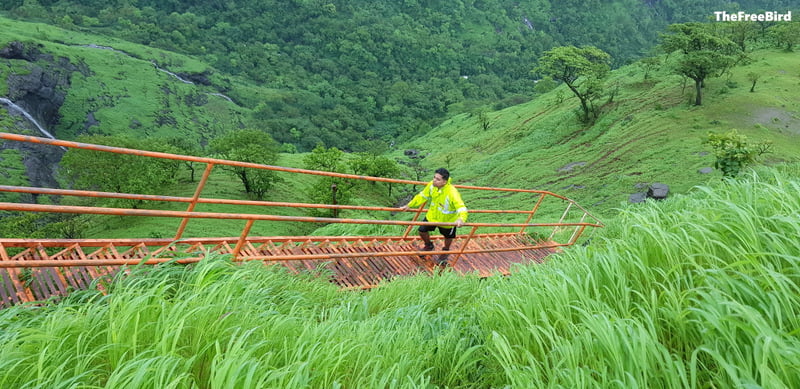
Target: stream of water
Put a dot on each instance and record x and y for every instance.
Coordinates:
(28, 116)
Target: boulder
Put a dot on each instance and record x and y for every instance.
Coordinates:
(411, 153)
(658, 191)
(639, 197)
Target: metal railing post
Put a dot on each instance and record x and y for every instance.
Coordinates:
(242, 239)
(533, 211)
(415, 218)
(560, 221)
(464, 246)
(193, 202)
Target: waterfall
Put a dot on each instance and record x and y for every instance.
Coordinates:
(28, 116)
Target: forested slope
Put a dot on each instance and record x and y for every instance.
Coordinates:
(388, 70)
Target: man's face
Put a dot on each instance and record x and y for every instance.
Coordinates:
(438, 180)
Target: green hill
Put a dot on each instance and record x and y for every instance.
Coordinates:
(649, 132)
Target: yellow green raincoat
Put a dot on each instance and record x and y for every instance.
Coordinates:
(446, 205)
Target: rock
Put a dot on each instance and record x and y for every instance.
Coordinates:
(196, 78)
(658, 191)
(637, 197)
(706, 170)
(570, 166)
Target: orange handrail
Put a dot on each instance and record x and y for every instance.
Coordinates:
(250, 218)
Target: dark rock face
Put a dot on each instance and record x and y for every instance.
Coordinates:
(41, 162)
(196, 78)
(18, 50)
(41, 93)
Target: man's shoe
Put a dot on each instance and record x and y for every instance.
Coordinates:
(442, 259)
(427, 247)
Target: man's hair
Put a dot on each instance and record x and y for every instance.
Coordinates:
(443, 172)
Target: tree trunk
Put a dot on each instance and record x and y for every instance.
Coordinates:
(698, 86)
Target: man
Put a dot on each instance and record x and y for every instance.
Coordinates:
(445, 206)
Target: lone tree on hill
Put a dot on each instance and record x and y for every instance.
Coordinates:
(703, 54)
(582, 69)
(249, 146)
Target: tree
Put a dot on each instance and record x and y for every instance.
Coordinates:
(649, 64)
(111, 172)
(328, 190)
(252, 146)
(740, 32)
(186, 146)
(753, 77)
(374, 166)
(581, 69)
(734, 151)
(785, 35)
(702, 54)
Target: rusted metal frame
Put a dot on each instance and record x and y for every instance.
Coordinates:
(248, 250)
(94, 271)
(200, 200)
(53, 283)
(119, 150)
(578, 231)
(30, 251)
(560, 221)
(17, 291)
(464, 245)
(267, 258)
(533, 211)
(193, 202)
(167, 247)
(242, 239)
(22, 292)
(219, 248)
(415, 218)
(77, 276)
(245, 216)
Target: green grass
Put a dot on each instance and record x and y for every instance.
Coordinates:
(699, 291)
(649, 133)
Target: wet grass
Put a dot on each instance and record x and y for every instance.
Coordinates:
(699, 291)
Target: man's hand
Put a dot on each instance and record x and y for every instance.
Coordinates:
(404, 208)
(459, 223)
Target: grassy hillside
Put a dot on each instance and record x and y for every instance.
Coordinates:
(649, 133)
(120, 87)
(699, 291)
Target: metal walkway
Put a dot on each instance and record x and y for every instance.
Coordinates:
(33, 270)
